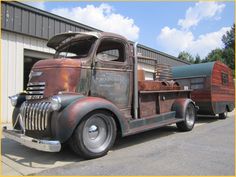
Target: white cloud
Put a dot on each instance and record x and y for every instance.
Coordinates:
(39, 5)
(201, 11)
(102, 17)
(174, 41)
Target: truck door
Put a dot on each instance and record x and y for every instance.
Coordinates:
(112, 73)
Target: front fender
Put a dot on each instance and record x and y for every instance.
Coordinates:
(67, 120)
(180, 106)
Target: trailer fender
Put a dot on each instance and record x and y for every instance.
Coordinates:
(180, 106)
(67, 120)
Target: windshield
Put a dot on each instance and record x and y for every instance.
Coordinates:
(75, 49)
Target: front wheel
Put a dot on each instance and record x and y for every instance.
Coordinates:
(189, 119)
(94, 136)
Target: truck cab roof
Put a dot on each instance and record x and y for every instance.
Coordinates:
(58, 39)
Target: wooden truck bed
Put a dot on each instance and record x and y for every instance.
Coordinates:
(157, 98)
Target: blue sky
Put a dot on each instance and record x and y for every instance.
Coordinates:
(170, 27)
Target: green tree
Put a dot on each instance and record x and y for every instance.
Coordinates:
(228, 55)
(197, 59)
(229, 50)
(216, 54)
(228, 38)
(186, 56)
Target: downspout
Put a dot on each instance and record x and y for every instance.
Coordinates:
(135, 81)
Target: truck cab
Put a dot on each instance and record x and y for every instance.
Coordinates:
(89, 93)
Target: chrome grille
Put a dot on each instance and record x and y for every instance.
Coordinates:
(36, 115)
(35, 90)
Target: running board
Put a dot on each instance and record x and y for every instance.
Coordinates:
(144, 124)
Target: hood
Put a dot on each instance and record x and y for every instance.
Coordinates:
(48, 77)
(57, 63)
(58, 39)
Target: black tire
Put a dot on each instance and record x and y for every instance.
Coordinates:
(223, 115)
(94, 136)
(15, 114)
(189, 119)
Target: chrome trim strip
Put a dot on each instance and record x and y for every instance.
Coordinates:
(35, 88)
(35, 92)
(42, 145)
(36, 83)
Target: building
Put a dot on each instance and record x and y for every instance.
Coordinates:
(25, 31)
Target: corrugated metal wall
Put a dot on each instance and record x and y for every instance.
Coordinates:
(23, 19)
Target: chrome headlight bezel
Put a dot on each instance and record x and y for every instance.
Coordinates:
(55, 103)
(14, 99)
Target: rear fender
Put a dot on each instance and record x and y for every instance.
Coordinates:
(180, 106)
(65, 122)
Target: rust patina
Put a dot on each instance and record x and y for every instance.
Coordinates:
(94, 73)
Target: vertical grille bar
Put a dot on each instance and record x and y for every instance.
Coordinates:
(36, 115)
(28, 111)
(44, 114)
(33, 117)
(46, 117)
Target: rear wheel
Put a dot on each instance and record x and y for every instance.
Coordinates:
(223, 115)
(94, 136)
(189, 119)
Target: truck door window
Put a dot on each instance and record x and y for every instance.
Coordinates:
(75, 49)
(110, 51)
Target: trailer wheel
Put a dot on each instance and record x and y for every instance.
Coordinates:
(223, 115)
(189, 119)
(94, 136)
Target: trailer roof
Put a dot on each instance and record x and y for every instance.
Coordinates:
(194, 70)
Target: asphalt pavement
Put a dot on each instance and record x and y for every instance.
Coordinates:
(209, 149)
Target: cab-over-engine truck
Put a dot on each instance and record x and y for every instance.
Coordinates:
(89, 93)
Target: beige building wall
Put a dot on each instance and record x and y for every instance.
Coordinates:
(14, 47)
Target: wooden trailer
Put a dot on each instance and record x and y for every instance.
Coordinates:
(212, 84)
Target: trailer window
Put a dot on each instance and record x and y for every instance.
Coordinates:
(224, 78)
(197, 83)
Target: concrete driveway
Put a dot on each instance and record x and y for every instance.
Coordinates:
(155, 152)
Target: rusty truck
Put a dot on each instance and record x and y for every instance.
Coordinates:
(90, 93)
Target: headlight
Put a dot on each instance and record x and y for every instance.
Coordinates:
(55, 103)
(13, 99)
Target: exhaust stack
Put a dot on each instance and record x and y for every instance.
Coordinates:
(135, 81)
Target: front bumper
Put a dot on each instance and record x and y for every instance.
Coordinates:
(41, 145)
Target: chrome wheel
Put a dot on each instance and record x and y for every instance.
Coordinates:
(94, 136)
(190, 116)
(97, 133)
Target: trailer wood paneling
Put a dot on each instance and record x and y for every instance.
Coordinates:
(217, 94)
